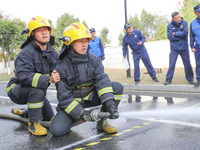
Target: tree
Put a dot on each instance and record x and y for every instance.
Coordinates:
(135, 22)
(10, 37)
(147, 24)
(161, 33)
(153, 27)
(120, 38)
(160, 23)
(85, 24)
(103, 36)
(62, 22)
(187, 10)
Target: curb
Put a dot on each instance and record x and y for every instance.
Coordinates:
(163, 88)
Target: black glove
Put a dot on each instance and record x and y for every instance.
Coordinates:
(110, 107)
(103, 58)
(86, 115)
(113, 112)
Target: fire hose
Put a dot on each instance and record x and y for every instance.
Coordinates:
(95, 115)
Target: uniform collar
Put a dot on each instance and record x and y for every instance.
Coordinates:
(130, 34)
(76, 58)
(37, 47)
(177, 24)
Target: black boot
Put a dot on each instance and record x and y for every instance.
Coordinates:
(167, 82)
(197, 84)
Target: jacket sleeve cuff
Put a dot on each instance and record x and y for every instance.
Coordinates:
(106, 97)
(43, 82)
(77, 112)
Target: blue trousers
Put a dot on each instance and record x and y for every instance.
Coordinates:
(186, 62)
(147, 63)
(197, 58)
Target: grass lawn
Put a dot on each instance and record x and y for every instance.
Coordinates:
(5, 77)
(121, 76)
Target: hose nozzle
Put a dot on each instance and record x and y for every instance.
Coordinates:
(97, 115)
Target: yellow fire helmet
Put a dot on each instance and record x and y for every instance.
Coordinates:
(74, 32)
(35, 23)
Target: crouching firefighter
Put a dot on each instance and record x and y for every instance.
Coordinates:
(34, 71)
(83, 84)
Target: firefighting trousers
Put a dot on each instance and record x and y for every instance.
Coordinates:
(186, 62)
(39, 107)
(62, 122)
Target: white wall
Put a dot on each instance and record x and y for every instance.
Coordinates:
(158, 53)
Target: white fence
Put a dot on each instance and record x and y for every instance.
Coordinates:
(6, 70)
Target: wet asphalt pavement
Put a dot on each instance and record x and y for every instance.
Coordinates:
(167, 130)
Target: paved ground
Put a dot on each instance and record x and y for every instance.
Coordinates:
(148, 120)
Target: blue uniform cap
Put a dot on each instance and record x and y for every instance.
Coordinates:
(126, 26)
(197, 8)
(92, 30)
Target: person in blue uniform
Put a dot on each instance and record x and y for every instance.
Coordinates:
(135, 39)
(177, 33)
(95, 45)
(195, 42)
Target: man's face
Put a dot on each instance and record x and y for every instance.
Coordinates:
(129, 30)
(81, 45)
(93, 34)
(42, 34)
(197, 14)
(177, 18)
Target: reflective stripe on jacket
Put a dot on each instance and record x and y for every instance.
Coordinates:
(76, 70)
(33, 67)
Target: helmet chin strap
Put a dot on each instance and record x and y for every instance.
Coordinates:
(39, 41)
(73, 50)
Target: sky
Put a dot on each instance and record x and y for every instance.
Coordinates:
(96, 13)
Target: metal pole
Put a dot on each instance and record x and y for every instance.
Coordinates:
(128, 71)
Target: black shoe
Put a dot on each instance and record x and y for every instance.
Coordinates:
(197, 84)
(137, 82)
(191, 82)
(167, 82)
(155, 79)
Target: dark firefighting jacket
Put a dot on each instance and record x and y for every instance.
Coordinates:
(81, 76)
(33, 67)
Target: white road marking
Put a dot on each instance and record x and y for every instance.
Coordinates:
(5, 97)
(173, 122)
(80, 142)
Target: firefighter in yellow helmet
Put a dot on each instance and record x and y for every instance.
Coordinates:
(34, 71)
(83, 84)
